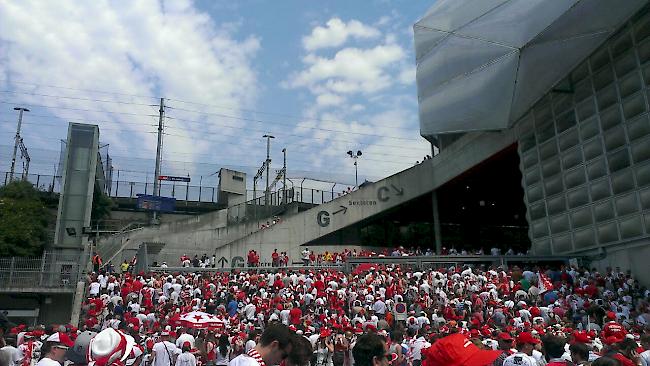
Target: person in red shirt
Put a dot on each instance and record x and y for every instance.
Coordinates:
(627, 354)
(295, 315)
(612, 328)
(274, 258)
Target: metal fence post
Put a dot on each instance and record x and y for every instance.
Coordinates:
(11, 270)
(38, 179)
(212, 194)
(40, 278)
(53, 182)
(312, 195)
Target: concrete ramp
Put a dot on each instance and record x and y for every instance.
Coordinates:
(372, 199)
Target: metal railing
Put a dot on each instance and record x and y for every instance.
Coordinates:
(439, 261)
(182, 191)
(127, 189)
(53, 270)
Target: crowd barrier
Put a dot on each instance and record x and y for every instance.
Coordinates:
(407, 262)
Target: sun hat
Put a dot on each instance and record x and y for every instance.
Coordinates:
(110, 347)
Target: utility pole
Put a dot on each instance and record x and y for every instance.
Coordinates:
(156, 182)
(268, 167)
(284, 176)
(17, 141)
(24, 155)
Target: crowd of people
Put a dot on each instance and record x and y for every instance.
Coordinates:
(380, 315)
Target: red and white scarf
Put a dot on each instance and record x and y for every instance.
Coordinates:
(255, 355)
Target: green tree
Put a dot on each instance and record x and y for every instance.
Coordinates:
(24, 220)
(102, 205)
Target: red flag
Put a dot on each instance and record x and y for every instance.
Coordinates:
(545, 283)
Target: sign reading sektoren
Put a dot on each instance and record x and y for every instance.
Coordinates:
(174, 179)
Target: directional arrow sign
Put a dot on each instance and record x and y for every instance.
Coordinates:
(343, 209)
(223, 261)
(398, 191)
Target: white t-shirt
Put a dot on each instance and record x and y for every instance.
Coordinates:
(519, 359)
(250, 344)
(184, 338)
(15, 354)
(185, 359)
(94, 289)
(645, 358)
(163, 357)
(48, 362)
(243, 360)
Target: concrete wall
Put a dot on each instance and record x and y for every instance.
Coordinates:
(630, 256)
(209, 233)
(140, 216)
(372, 199)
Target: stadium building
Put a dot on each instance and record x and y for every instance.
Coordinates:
(538, 114)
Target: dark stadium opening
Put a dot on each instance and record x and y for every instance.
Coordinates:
(482, 208)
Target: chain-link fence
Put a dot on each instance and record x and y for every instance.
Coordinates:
(52, 270)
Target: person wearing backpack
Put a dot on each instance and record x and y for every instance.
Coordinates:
(164, 352)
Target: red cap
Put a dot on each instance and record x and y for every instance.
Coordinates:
(325, 332)
(187, 344)
(611, 315)
(503, 336)
(581, 337)
(61, 338)
(526, 337)
(456, 350)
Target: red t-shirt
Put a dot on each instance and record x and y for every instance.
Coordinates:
(623, 360)
(614, 329)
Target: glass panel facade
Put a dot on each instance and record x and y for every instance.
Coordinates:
(586, 158)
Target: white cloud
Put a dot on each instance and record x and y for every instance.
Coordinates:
(329, 99)
(164, 48)
(407, 75)
(336, 32)
(351, 70)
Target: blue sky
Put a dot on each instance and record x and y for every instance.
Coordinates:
(323, 77)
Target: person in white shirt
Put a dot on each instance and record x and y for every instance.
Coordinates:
(253, 337)
(186, 358)
(185, 337)
(524, 355)
(94, 288)
(645, 355)
(164, 351)
(274, 346)
(416, 347)
(54, 349)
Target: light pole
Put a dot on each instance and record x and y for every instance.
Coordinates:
(355, 156)
(17, 141)
(268, 167)
(284, 175)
